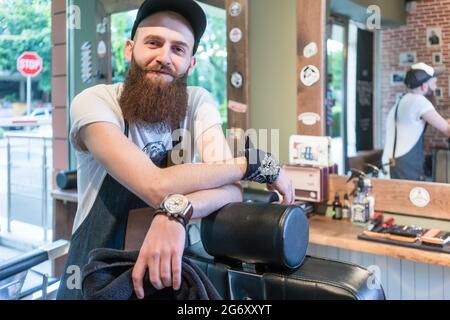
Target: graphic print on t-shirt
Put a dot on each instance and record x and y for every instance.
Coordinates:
(157, 152)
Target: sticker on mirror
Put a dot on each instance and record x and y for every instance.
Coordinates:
(309, 118)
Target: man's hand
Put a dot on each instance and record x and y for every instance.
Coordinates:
(161, 253)
(284, 186)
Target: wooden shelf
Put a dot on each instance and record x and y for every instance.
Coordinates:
(393, 196)
(343, 234)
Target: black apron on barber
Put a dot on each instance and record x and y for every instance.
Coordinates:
(104, 227)
(411, 165)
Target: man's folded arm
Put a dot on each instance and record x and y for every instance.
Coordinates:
(131, 167)
(206, 202)
(213, 147)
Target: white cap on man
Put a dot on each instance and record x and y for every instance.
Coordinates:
(419, 74)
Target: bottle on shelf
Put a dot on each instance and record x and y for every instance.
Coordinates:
(337, 208)
(360, 208)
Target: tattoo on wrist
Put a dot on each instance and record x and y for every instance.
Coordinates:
(262, 167)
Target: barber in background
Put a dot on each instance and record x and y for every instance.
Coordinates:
(407, 122)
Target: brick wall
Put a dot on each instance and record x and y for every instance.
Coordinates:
(413, 37)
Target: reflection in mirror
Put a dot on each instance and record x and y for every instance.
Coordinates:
(388, 96)
(335, 94)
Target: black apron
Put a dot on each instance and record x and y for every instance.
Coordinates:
(104, 227)
(411, 165)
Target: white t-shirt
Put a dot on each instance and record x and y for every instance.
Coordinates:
(100, 104)
(410, 125)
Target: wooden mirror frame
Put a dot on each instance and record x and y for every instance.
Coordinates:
(238, 98)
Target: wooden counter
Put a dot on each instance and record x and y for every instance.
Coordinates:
(343, 234)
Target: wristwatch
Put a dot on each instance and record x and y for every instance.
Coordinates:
(176, 206)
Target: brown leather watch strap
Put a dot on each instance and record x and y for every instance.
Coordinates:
(188, 214)
(179, 219)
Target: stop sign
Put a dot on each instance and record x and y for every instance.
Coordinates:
(29, 64)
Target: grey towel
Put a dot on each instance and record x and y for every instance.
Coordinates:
(107, 276)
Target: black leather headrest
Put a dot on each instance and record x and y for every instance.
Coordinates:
(269, 234)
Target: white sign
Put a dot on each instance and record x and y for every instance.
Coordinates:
(101, 26)
(419, 197)
(29, 64)
(235, 9)
(235, 35)
(309, 75)
(310, 150)
(101, 49)
(310, 50)
(236, 80)
(309, 118)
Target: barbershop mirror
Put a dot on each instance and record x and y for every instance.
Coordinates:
(366, 69)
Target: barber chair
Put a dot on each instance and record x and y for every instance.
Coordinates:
(256, 250)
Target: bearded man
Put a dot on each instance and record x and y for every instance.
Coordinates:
(122, 134)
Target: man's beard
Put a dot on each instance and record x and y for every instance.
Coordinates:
(430, 95)
(152, 101)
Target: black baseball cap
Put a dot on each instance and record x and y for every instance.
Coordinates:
(189, 9)
(419, 74)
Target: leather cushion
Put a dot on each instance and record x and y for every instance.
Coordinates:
(316, 279)
(268, 234)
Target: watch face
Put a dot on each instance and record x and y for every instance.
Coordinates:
(176, 204)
